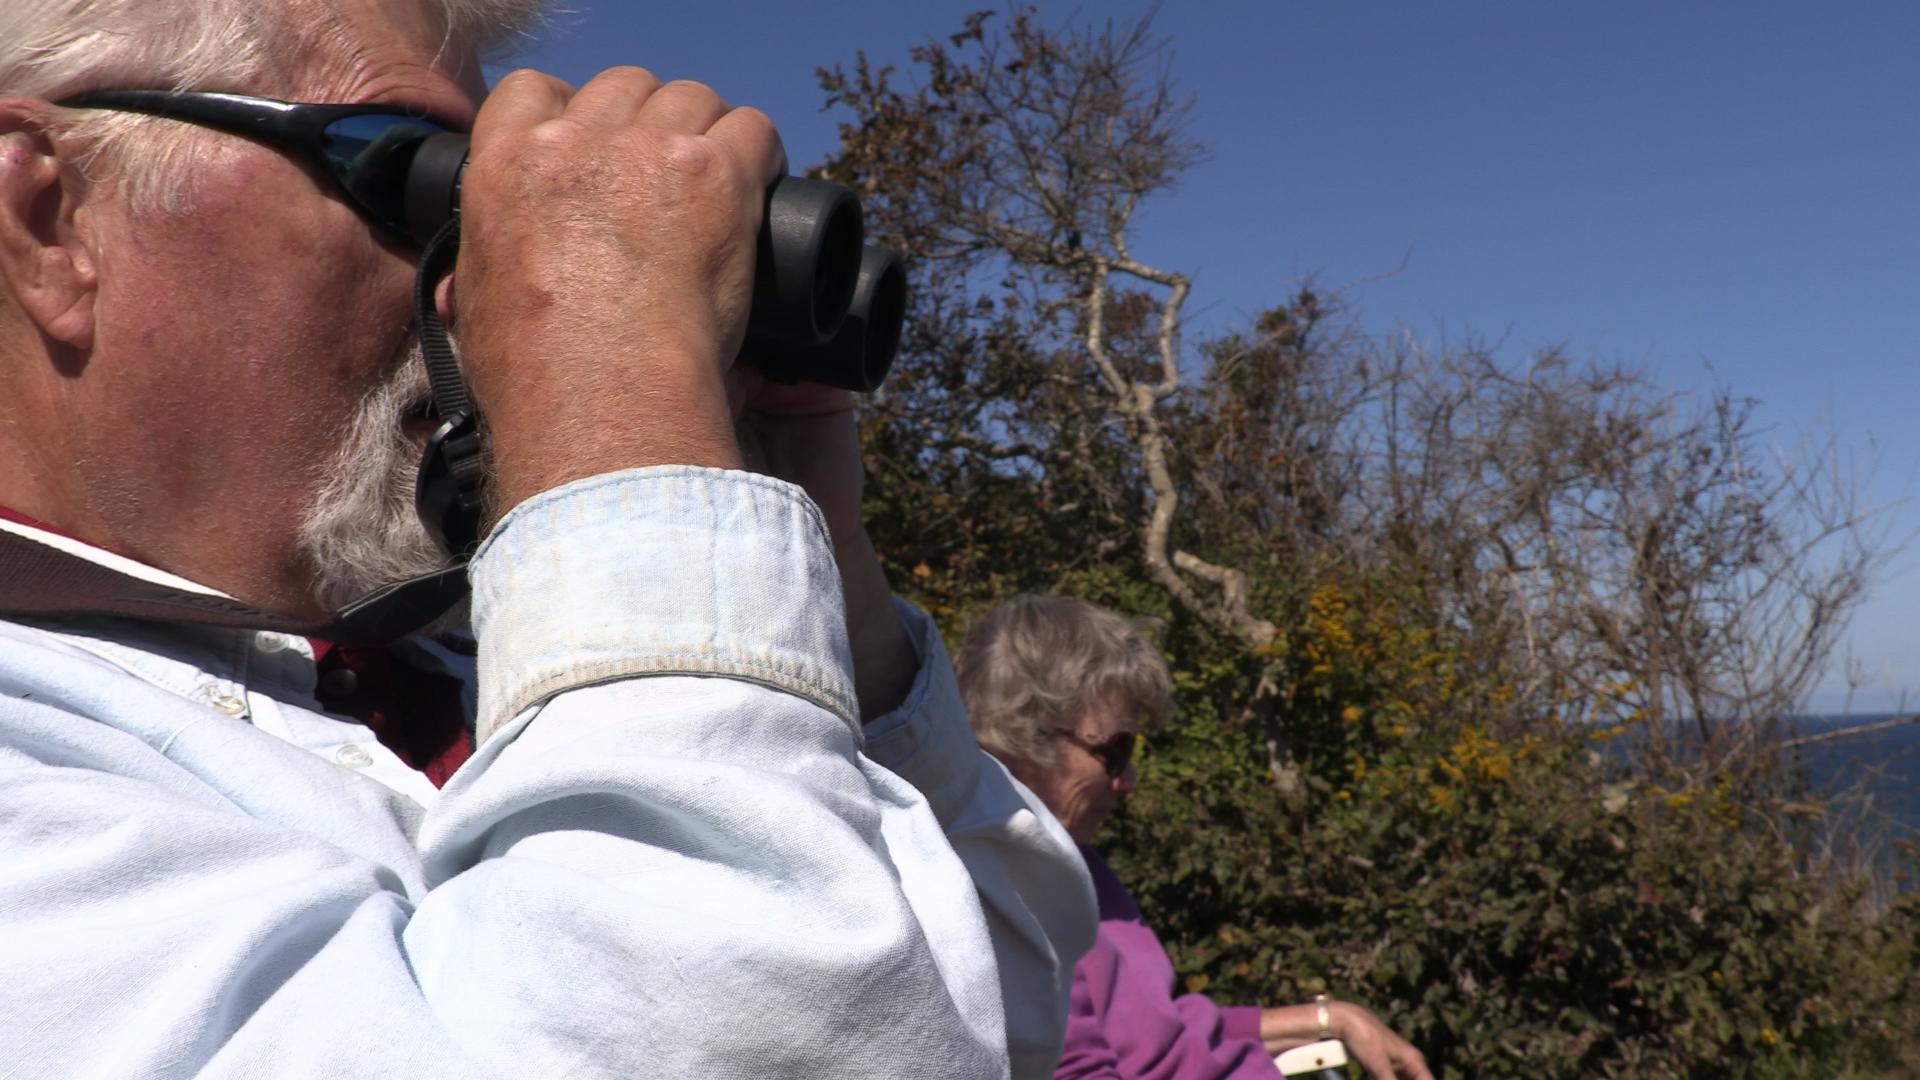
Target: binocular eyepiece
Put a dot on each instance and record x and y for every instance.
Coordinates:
(827, 307)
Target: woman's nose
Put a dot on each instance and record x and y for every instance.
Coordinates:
(1126, 781)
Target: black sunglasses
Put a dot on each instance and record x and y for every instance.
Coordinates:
(1115, 754)
(364, 149)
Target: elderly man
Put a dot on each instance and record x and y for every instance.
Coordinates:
(669, 846)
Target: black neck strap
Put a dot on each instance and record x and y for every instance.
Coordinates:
(450, 492)
(38, 580)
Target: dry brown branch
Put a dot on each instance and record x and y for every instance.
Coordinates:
(1031, 150)
(1849, 731)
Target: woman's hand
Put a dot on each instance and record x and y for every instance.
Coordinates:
(1383, 1054)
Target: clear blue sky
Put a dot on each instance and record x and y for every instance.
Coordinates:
(1671, 185)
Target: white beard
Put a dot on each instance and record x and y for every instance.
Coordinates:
(362, 533)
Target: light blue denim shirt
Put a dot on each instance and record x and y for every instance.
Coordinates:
(675, 851)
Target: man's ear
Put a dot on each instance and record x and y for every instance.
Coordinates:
(46, 262)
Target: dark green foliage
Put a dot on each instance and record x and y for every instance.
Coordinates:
(1525, 929)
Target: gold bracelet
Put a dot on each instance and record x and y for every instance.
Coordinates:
(1323, 1015)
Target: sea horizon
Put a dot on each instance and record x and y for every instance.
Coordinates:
(1877, 769)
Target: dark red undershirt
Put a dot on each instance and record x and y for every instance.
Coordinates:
(416, 714)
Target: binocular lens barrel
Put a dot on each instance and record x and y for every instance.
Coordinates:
(807, 262)
(871, 336)
(825, 308)
(860, 355)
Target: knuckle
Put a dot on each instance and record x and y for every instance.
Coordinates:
(628, 72)
(553, 136)
(753, 119)
(637, 82)
(527, 80)
(756, 127)
(694, 157)
(694, 96)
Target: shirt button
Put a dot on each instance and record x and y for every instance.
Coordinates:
(228, 704)
(339, 682)
(353, 757)
(269, 642)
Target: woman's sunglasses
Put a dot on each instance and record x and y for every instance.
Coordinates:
(364, 149)
(1115, 754)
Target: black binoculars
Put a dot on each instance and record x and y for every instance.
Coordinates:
(827, 307)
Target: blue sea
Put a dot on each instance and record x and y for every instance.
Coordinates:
(1883, 764)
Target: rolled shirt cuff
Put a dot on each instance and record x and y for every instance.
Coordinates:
(667, 570)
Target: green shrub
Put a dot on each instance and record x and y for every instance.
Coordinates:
(1515, 904)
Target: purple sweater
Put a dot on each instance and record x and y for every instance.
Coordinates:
(1123, 1022)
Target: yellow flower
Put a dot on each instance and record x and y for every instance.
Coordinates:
(1350, 714)
(1769, 1036)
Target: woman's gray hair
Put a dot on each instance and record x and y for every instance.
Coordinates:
(54, 49)
(1031, 666)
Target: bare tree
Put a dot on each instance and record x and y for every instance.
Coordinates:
(1654, 553)
(1627, 553)
(1027, 154)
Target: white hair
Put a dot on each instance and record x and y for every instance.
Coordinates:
(1033, 665)
(54, 49)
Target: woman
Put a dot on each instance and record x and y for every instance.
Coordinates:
(1059, 691)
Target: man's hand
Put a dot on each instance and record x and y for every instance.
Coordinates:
(807, 435)
(605, 273)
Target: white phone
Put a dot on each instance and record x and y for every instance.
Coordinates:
(1323, 1060)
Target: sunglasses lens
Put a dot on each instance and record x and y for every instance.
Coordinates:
(1117, 754)
(369, 154)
